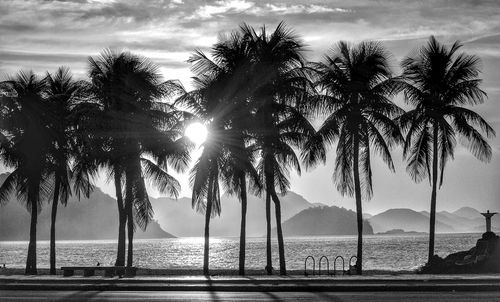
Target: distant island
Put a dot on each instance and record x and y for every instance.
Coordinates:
(401, 232)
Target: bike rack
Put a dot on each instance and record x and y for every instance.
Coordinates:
(327, 265)
(305, 265)
(351, 267)
(335, 265)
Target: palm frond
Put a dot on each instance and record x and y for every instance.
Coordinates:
(160, 178)
(8, 186)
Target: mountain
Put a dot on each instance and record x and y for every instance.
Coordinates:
(90, 218)
(178, 217)
(467, 212)
(458, 223)
(463, 220)
(407, 220)
(97, 218)
(325, 220)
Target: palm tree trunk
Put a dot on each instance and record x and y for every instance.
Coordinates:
(130, 233)
(122, 222)
(55, 202)
(243, 197)
(281, 245)
(269, 265)
(130, 219)
(359, 211)
(432, 220)
(31, 259)
(208, 213)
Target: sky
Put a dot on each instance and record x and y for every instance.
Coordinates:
(41, 35)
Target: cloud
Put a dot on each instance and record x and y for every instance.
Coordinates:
(43, 34)
(222, 7)
(296, 9)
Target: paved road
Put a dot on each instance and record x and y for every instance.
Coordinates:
(247, 296)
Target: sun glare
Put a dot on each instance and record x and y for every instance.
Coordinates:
(197, 133)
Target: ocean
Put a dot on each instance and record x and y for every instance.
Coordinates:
(381, 252)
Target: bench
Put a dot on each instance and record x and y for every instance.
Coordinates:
(109, 271)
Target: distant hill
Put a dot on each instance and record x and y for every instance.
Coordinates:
(463, 220)
(178, 217)
(458, 223)
(467, 212)
(407, 220)
(97, 218)
(325, 220)
(87, 219)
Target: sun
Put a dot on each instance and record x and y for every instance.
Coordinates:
(196, 132)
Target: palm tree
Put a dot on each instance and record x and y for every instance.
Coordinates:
(280, 88)
(439, 81)
(101, 125)
(129, 91)
(24, 144)
(206, 104)
(233, 62)
(357, 86)
(159, 132)
(63, 97)
(220, 99)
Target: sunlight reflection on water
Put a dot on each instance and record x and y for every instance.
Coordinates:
(380, 252)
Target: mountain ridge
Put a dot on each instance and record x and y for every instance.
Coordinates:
(91, 218)
(324, 221)
(97, 218)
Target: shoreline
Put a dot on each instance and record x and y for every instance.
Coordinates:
(114, 240)
(213, 272)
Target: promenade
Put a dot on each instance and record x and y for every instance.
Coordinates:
(296, 283)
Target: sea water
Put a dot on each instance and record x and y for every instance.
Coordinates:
(380, 252)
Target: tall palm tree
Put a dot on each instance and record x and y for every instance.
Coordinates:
(162, 145)
(102, 125)
(24, 144)
(63, 97)
(280, 88)
(129, 91)
(439, 81)
(220, 99)
(233, 62)
(205, 102)
(357, 85)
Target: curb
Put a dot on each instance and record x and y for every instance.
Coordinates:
(355, 287)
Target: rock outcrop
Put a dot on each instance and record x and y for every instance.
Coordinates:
(483, 258)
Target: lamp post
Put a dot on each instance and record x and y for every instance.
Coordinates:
(488, 216)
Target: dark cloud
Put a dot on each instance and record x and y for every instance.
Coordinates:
(18, 27)
(34, 56)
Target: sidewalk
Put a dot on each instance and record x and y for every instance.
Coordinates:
(257, 283)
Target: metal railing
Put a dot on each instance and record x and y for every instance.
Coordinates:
(305, 265)
(335, 265)
(351, 269)
(327, 265)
